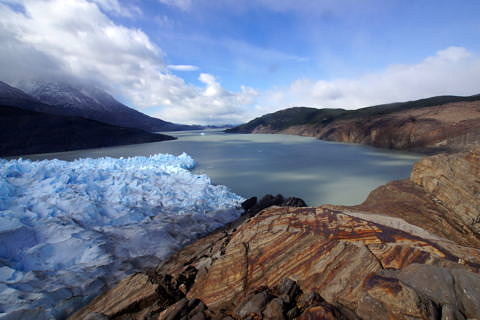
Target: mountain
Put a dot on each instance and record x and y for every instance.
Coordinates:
(29, 126)
(11, 96)
(27, 132)
(411, 251)
(443, 123)
(88, 102)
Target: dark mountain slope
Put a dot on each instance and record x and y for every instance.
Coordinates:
(27, 132)
(83, 101)
(11, 96)
(444, 123)
(288, 117)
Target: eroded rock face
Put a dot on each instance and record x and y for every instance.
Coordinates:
(447, 127)
(360, 269)
(133, 292)
(454, 180)
(442, 196)
(409, 252)
(340, 257)
(424, 126)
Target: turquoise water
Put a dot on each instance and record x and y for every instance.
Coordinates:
(252, 165)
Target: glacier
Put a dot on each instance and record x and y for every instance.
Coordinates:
(68, 230)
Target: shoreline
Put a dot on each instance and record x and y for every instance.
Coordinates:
(209, 279)
(403, 222)
(423, 152)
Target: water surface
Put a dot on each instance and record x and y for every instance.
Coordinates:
(254, 164)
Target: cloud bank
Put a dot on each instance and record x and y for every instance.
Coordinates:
(76, 38)
(452, 71)
(182, 67)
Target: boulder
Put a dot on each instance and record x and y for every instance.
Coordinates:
(274, 310)
(253, 305)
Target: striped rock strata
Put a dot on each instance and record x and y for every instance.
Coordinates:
(352, 263)
(361, 268)
(441, 196)
(411, 251)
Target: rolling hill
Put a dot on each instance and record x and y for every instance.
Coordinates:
(443, 123)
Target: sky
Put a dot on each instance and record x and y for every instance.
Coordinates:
(228, 61)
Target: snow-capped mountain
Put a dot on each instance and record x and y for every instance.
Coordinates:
(10, 96)
(28, 126)
(88, 102)
(70, 97)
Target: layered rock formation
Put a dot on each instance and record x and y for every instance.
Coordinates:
(411, 251)
(428, 125)
(442, 196)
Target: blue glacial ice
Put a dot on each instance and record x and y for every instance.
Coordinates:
(70, 229)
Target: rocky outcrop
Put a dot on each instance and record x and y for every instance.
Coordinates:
(454, 181)
(357, 269)
(284, 301)
(411, 251)
(430, 125)
(346, 260)
(148, 293)
(442, 196)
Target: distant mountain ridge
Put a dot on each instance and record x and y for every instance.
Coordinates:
(29, 126)
(28, 132)
(442, 123)
(14, 97)
(81, 100)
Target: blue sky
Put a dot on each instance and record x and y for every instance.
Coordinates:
(226, 61)
(264, 45)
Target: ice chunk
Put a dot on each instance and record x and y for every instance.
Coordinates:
(69, 228)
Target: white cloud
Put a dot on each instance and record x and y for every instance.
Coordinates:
(76, 38)
(211, 104)
(113, 6)
(454, 71)
(182, 67)
(181, 4)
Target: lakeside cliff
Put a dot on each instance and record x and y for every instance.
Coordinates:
(410, 251)
(444, 123)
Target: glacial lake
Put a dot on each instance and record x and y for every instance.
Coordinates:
(255, 164)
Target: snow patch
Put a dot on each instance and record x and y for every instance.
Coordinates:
(67, 229)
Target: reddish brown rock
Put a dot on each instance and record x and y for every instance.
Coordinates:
(317, 313)
(340, 257)
(328, 252)
(454, 180)
(275, 310)
(129, 295)
(441, 197)
(185, 309)
(452, 127)
(409, 252)
(253, 305)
